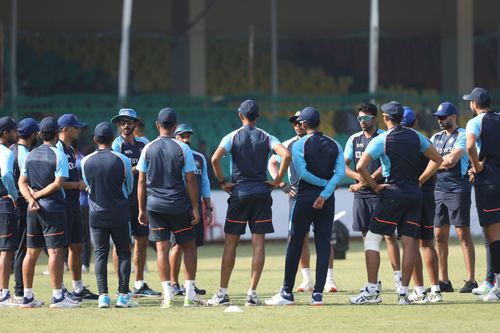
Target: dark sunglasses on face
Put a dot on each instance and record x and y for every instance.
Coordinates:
(296, 123)
(365, 118)
(127, 122)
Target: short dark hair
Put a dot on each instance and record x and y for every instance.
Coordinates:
(483, 106)
(396, 118)
(167, 125)
(367, 108)
(103, 140)
(47, 136)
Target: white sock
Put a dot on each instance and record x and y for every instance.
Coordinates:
(420, 290)
(329, 274)
(222, 291)
(306, 274)
(28, 292)
(189, 286)
(4, 292)
(77, 286)
(167, 290)
(252, 292)
(57, 293)
(403, 290)
(138, 284)
(435, 288)
(372, 287)
(397, 276)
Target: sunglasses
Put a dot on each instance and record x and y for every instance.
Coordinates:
(365, 118)
(127, 122)
(296, 123)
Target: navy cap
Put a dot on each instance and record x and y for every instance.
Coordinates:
(124, 113)
(249, 109)
(310, 115)
(104, 131)
(445, 109)
(294, 117)
(183, 128)
(167, 117)
(49, 125)
(408, 116)
(393, 108)
(478, 95)
(27, 127)
(7, 124)
(69, 120)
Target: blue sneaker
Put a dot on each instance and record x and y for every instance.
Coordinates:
(30, 303)
(104, 302)
(317, 299)
(145, 291)
(126, 301)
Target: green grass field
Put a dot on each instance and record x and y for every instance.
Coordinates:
(459, 312)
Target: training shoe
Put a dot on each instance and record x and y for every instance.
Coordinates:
(418, 299)
(145, 291)
(379, 287)
(27, 303)
(9, 302)
(484, 288)
(252, 300)
(71, 296)
(446, 287)
(104, 302)
(403, 299)
(166, 303)
(305, 286)
(366, 298)
(194, 302)
(492, 296)
(468, 287)
(280, 298)
(317, 299)
(64, 302)
(198, 291)
(177, 290)
(126, 301)
(330, 287)
(85, 294)
(435, 297)
(219, 300)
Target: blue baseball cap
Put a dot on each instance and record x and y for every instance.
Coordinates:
(478, 95)
(104, 131)
(7, 123)
(167, 117)
(249, 109)
(27, 127)
(445, 109)
(309, 115)
(69, 120)
(125, 113)
(393, 108)
(408, 116)
(49, 125)
(183, 128)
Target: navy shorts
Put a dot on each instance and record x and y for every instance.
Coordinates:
(46, 229)
(199, 232)
(254, 209)
(397, 210)
(9, 231)
(427, 216)
(136, 228)
(452, 208)
(161, 225)
(74, 223)
(362, 212)
(488, 203)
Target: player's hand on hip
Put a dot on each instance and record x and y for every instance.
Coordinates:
(143, 218)
(227, 187)
(195, 217)
(380, 187)
(355, 187)
(319, 203)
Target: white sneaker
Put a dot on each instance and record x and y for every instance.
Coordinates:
(483, 289)
(10, 302)
(366, 285)
(194, 302)
(252, 300)
(418, 299)
(64, 302)
(403, 299)
(28, 303)
(279, 300)
(305, 286)
(166, 303)
(330, 286)
(492, 296)
(219, 300)
(435, 297)
(366, 298)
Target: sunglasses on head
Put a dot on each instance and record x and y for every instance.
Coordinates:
(365, 118)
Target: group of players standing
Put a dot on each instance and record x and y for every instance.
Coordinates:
(153, 191)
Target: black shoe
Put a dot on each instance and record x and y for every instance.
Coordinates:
(85, 294)
(446, 287)
(199, 291)
(71, 296)
(145, 291)
(468, 286)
